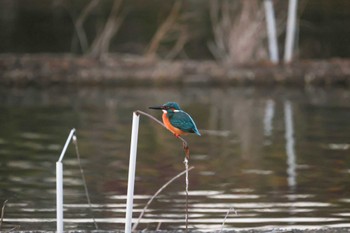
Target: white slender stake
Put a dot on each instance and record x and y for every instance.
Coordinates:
(290, 36)
(59, 185)
(186, 189)
(59, 197)
(132, 170)
(271, 30)
(66, 144)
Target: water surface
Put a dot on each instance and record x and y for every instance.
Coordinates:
(277, 157)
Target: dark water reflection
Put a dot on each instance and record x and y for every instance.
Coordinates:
(279, 157)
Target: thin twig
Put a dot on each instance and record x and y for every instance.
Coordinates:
(3, 212)
(158, 226)
(157, 193)
(227, 214)
(75, 141)
(13, 228)
(2, 218)
(184, 142)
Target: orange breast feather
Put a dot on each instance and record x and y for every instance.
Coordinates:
(168, 125)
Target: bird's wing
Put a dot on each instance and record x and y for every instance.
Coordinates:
(183, 121)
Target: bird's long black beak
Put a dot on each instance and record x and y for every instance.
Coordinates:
(157, 107)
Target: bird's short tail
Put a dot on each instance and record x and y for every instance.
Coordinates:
(197, 132)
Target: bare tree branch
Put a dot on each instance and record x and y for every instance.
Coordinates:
(80, 21)
(164, 28)
(179, 45)
(102, 41)
(156, 194)
(239, 31)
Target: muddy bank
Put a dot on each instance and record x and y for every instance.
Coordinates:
(48, 69)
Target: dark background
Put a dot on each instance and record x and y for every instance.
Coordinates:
(36, 26)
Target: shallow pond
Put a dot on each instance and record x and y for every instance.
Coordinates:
(279, 158)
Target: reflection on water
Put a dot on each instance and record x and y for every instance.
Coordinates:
(290, 144)
(279, 157)
(269, 113)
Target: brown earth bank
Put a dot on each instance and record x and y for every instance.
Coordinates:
(66, 69)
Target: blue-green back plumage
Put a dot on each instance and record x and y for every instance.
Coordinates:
(183, 121)
(180, 119)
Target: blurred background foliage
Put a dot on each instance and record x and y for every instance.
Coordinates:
(172, 29)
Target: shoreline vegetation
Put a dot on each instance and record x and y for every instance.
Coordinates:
(124, 70)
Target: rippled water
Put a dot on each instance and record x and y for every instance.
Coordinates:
(276, 158)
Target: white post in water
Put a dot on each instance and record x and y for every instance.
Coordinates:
(271, 31)
(59, 185)
(59, 197)
(290, 36)
(132, 170)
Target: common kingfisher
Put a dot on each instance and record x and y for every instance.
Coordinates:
(176, 120)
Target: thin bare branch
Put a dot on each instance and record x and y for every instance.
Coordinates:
(115, 19)
(156, 194)
(75, 142)
(226, 216)
(179, 45)
(3, 212)
(239, 31)
(80, 21)
(158, 226)
(164, 28)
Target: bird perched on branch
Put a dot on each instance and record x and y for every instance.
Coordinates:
(176, 120)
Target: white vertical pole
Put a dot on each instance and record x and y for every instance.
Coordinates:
(132, 170)
(59, 185)
(290, 36)
(271, 30)
(59, 197)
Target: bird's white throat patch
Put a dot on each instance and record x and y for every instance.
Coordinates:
(165, 111)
